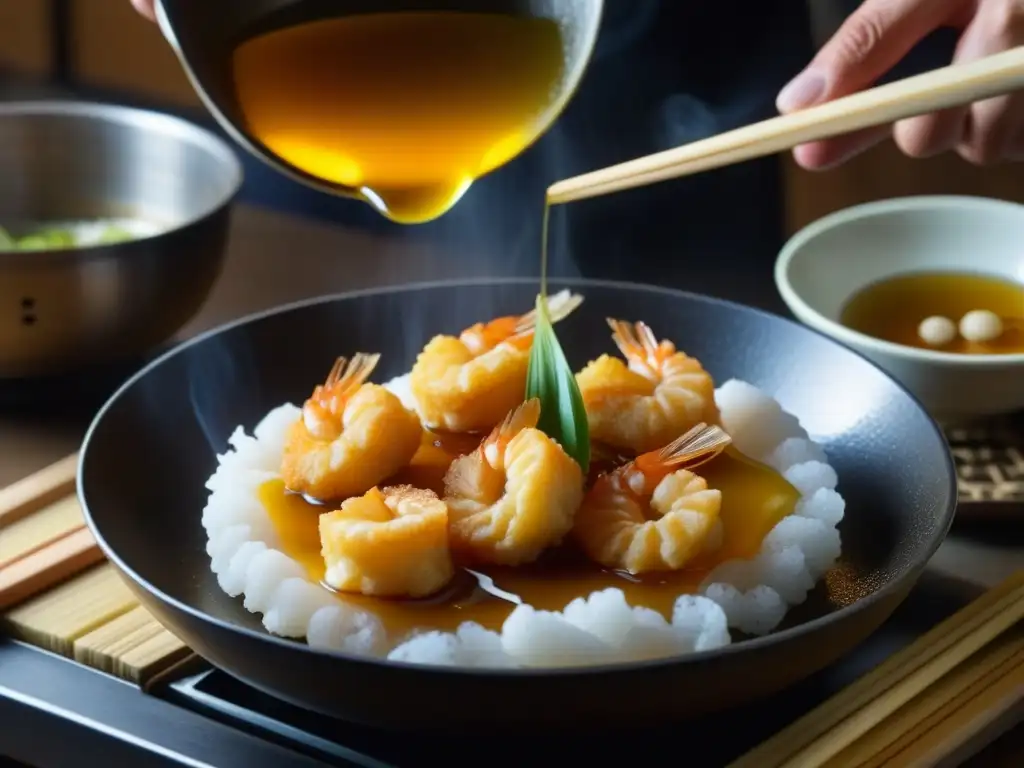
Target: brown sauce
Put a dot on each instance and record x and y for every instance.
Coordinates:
(754, 499)
(892, 309)
(405, 108)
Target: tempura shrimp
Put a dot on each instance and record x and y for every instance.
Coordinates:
(515, 496)
(351, 435)
(649, 514)
(469, 383)
(641, 406)
(389, 543)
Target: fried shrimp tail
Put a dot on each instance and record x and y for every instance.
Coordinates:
(652, 514)
(468, 383)
(389, 543)
(513, 497)
(655, 395)
(351, 434)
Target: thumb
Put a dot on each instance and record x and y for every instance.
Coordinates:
(145, 7)
(871, 41)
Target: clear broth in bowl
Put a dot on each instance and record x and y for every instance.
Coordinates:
(892, 309)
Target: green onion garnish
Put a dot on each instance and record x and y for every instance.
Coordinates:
(550, 379)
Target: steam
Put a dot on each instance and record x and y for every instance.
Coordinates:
(619, 34)
(224, 388)
(685, 118)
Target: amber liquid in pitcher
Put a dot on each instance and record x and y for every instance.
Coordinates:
(406, 109)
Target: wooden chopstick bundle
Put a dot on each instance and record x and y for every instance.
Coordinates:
(38, 490)
(970, 725)
(49, 565)
(56, 594)
(32, 533)
(943, 706)
(55, 619)
(40, 546)
(95, 619)
(822, 734)
(43, 537)
(131, 646)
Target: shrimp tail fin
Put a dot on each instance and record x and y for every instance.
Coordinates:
(463, 476)
(348, 375)
(636, 341)
(560, 306)
(563, 304)
(519, 418)
(359, 369)
(699, 445)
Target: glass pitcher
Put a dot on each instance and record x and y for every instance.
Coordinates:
(399, 103)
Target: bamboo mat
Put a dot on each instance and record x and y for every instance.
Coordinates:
(989, 457)
(57, 593)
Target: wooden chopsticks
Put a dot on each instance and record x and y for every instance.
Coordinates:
(940, 89)
(949, 713)
(939, 689)
(46, 486)
(64, 556)
(52, 556)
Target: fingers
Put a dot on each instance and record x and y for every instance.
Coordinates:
(929, 135)
(823, 155)
(871, 41)
(145, 7)
(988, 131)
(993, 130)
(993, 127)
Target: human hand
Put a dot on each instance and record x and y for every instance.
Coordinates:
(145, 7)
(874, 39)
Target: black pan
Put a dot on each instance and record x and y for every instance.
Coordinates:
(152, 447)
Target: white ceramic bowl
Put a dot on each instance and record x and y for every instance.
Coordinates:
(828, 261)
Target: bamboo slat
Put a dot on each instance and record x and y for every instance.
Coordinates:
(56, 591)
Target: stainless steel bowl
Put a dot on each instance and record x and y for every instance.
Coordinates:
(62, 309)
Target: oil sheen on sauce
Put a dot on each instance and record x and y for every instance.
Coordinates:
(754, 499)
(405, 109)
(892, 309)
